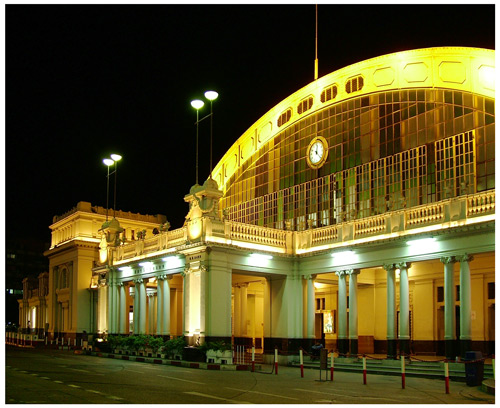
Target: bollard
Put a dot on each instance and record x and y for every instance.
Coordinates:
(301, 363)
(243, 356)
(446, 378)
(331, 366)
(46, 339)
(364, 370)
(276, 360)
(253, 359)
(403, 383)
(75, 341)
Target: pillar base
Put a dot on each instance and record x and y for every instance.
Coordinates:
(404, 346)
(450, 347)
(353, 346)
(343, 346)
(465, 345)
(392, 349)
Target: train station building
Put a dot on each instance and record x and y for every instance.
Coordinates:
(358, 212)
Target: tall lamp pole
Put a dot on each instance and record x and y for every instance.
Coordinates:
(116, 158)
(109, 162)
(197, 104)
(211, 96)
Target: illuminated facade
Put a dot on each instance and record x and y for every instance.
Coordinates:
(359, 211)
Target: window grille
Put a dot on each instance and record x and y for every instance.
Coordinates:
(329, 93)
(284, 117)
(354, 84)
(305, 104)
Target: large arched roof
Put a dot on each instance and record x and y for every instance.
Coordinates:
(461, 68)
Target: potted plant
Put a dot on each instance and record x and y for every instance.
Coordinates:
(219, 352)
(174, 348)
(155, 343)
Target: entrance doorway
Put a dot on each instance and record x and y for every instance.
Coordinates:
(247, 311)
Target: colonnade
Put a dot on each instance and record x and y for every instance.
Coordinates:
(398, 332)
(151, 310)
(449, 304)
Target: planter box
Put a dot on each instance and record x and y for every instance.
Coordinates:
(220, 357)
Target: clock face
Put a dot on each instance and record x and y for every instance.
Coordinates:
(317, 152)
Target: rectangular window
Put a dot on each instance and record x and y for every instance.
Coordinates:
(491, 290)
(440, 294)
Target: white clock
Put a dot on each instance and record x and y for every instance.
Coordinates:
(317, 152)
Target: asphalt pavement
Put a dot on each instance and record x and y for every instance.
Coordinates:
(39, 376)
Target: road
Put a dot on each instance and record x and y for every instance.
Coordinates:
(62, 377)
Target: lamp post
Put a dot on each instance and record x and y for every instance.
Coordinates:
(197, 104)
(116, 158)
(109, 162)
(211, 96)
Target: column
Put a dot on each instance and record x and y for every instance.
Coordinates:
(101, 309)
(310, 334)
(392, 346)
(237, 311)
(343, 342)
(353, 310)
(165, 313)
(109, 326)
(244, 295)
(185, 309)
(142, 307)
(449, 307)
(115, 308)
(203, 302)
(71, 324)
(137, 305)
(465, 304)
(151, 313)
(404, 308)
(159, 304)
(123, 309)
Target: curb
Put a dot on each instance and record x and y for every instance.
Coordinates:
(177, 363)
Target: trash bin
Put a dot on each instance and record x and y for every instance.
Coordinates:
(474, 368)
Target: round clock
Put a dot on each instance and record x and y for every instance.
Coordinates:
(317, 152)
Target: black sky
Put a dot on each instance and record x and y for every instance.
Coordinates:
(83, 81)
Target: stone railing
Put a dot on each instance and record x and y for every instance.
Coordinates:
(479, 204)
(252, 233)
(369, 226)
(293, 242)
(425, 214)
(324, 234)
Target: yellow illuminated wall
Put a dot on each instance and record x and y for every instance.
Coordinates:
(390, 123)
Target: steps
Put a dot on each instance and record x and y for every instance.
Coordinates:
(393, 367)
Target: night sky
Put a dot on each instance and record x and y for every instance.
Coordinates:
(84, 81)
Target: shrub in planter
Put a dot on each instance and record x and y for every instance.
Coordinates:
(155, 343)
(174, 347)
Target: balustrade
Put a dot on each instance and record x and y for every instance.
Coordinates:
(477, 204)
(481, 203)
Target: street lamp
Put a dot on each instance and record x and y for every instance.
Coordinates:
(197, 104)
(109, 162)
(211, 96)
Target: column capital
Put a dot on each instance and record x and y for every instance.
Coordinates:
(138, 280)
(341, 273)
(186, 271)
(310, 276)
(403, 265)
(352, 272)
(389, 267)
(465, 258)
(119, 284)
(448, 260)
